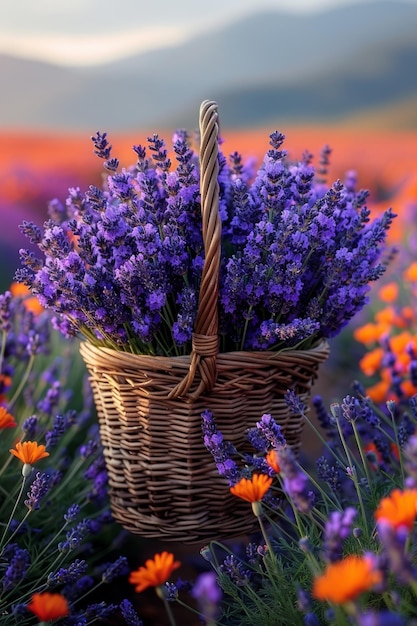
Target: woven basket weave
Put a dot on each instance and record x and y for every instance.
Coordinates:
(163, 483)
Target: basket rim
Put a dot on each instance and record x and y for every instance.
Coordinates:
(88, 348)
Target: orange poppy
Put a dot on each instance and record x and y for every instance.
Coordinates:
(344, 580)
(272, 460)
(155, 572)
(29, 452)
(371, 361)
(31, 303)
(389, 292)
(386, 316)
(5, 380)
(370, 333)
(48, 606)
(6, 419)
(398, 343)
(411, 272)
(252, 489)
(398, 509)
(379, 392)
(407, 314)
(408, 388)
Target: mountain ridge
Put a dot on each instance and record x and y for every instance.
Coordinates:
(300, 67)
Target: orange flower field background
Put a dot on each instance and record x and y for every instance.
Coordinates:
(386, 161)
(36, 167)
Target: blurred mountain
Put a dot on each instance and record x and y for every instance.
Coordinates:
(269, 67)
(377, 78)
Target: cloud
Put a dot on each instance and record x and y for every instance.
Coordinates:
(82, 32)
(91, 49)
(107, 16)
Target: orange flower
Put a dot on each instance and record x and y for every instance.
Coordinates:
(252, 489)
(398, 509)
(372, 449)
(407, 315)
(48, 606)
(398, 343)
(5, 381)
(272, 460)
(155, 572)
(29, 452)
(370, 333)
(389, 292)
(378, 392)
(411, 272)
(31, 303)
(344, 580)
(408, 388)
(6, 419)
(386, 316)
(371, 361)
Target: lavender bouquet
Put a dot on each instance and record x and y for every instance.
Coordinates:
(122, 264)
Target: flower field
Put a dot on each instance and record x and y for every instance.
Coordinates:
(332, 536)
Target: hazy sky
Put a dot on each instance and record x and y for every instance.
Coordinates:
(80, 32)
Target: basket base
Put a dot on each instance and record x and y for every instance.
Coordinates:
(163, 483)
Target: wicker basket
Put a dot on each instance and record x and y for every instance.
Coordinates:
(163, 482)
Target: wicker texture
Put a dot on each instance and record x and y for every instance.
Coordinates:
(163, 482)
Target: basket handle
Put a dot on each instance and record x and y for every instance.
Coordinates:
(205, 339)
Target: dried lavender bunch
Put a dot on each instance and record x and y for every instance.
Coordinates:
(122, 264)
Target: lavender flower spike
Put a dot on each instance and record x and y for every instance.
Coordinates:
(38, 489)
(129, 614)
(338, 527)
(220, 449)
(271, 431)
(295, 481)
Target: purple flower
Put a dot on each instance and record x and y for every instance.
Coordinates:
(234, 569)
(329, 473)
(123, 263)
(72, 513)
(5, 311)
(69, 574)
(208, 594)
(99, 611)
(258, 440)
(116, 569)
(75, 536)
(129, 614)
(60, 426)
(87, 450)
(359, 409)
(296, 483)
(271, 431)
(30, 426)
(410, 462)
(393, 543)
(221, 449)
(337, 528)
(38, 490)
(295, 403)
(381, 618)
(17, 567)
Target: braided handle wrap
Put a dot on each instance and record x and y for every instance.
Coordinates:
(205, 341)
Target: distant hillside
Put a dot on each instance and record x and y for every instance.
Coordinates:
(377, 77)
(315, 67)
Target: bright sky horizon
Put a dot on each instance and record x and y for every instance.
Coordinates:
(89, 32)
